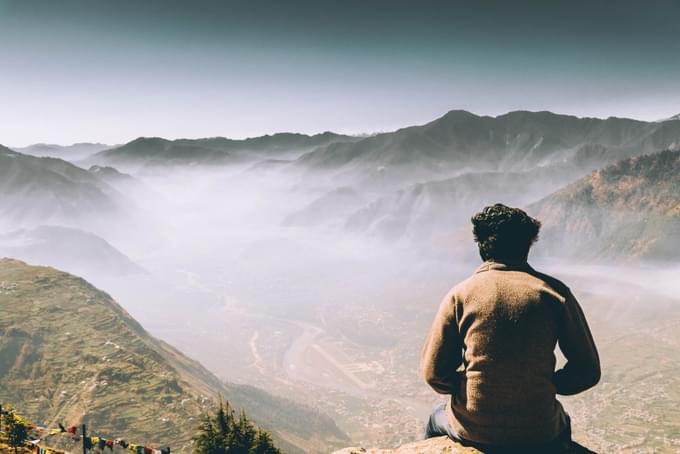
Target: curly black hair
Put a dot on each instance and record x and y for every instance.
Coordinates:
(504, 233)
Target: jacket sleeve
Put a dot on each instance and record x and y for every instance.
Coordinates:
(582, 370)
(442, 352)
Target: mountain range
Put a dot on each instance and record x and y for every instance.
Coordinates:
(47, 190)
(72, 152)
(423, 210)
(70, 354)
(462, 142)
(605, 189)
(456, 143)
(413, 184)
(69, 249)
(38, 191)
(517, 159)
(150, 152)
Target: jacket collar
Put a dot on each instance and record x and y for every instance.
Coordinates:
(490, 265)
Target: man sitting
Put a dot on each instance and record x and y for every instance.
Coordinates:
(491, 347)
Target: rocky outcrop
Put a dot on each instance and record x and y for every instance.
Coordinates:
(443, 445)
(439, 445)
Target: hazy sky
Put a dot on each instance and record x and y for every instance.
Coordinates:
(110, 71)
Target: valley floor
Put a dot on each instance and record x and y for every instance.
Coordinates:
(358, 362)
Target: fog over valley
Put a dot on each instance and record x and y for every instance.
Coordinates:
(311, 266)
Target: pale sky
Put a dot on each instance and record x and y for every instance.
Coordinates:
(111, 71)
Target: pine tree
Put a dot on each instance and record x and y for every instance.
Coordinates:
(263, 444)
(244, 435)
(222, 433)
(223, 425)
(207, 441)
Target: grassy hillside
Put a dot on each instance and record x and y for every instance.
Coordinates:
(69, 353)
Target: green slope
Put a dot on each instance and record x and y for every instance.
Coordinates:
(69, 353)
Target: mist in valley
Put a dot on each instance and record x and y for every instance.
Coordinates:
(265, 202)
(319, 281)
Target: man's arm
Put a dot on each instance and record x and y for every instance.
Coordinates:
(582, 370)
(442, 353)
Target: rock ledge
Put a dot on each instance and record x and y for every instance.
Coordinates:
(439, 445)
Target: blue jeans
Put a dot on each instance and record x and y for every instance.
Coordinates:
(439, 425)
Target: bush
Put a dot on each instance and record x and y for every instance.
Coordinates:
(16, 429)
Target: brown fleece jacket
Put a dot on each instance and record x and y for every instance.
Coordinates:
(502, 325)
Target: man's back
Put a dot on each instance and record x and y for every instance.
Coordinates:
(506, 320)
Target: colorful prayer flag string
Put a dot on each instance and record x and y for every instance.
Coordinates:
(89, 442)
(102, 443)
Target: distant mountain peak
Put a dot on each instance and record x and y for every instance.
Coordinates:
(105, 170)
(143, 139)
(457, 114)
(460, 112)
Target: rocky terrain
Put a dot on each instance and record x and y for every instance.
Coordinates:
(439, 445)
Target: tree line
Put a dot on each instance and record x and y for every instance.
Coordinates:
(225, 433)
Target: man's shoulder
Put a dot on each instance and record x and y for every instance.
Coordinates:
(463, 287)
(552, 282)
(534, 278)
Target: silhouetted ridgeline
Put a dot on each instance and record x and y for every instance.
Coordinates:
(150, 152)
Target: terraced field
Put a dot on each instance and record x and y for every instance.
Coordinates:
(70, 354)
